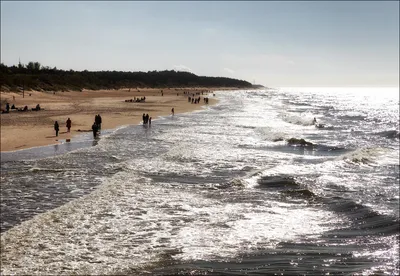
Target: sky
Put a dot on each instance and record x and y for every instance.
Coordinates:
(276, 44)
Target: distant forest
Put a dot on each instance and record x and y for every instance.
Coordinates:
(34, 76)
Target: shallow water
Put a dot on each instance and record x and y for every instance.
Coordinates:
(218, 191)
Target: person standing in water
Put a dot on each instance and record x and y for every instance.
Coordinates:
(172, 111)
(56, 128)
(94, 129)
(99, 121)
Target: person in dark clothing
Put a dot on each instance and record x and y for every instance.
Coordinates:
(69, 123)
(150, 121)
(173, 111)
(147, 118)
(7, 107)
(144, 119)
(94, 129)
(99, 121)
(56, 128)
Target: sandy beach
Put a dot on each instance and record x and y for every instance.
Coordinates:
(21, 130)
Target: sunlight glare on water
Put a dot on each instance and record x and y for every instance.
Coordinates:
(215, 186)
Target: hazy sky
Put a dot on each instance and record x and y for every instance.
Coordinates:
(272, 43)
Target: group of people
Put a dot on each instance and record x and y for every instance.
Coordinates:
(96, 127)
(136, 100)
(68, 125)
(194, 100)
(197, 93)
(25, 108)
(146, 119)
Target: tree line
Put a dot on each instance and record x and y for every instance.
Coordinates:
(34, 76)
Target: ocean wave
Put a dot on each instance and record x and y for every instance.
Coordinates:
(363, 156)
(46, 170)
(299, 142)
(300, 193)
(363, 218)
(236, 182)
(303, 143)
(269, 134)
(307, 120)
(281, 144)
(390, 134)
(324, 126)
(352, 116)
(181, 154)
(277, 181)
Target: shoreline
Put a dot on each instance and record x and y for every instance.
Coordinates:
(83, 140)
(31, 129)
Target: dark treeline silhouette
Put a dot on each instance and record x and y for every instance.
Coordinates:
(34, 76)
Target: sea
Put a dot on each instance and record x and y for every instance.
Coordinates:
(248, 186)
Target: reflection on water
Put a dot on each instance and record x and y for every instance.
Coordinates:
(185, 193)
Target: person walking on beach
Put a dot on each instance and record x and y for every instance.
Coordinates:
(144, 118)
(69, 124)
(94, 129)
(56, 127)
(172, 111)
(147, 118)
(150, 121)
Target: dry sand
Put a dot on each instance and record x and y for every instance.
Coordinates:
(20, 130)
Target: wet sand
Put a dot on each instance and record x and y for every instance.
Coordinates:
(22, 130)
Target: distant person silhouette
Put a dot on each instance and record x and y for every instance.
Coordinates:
(172, 111)
(94, 129)
(69, 123)
(99, 121)
(56, 128)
